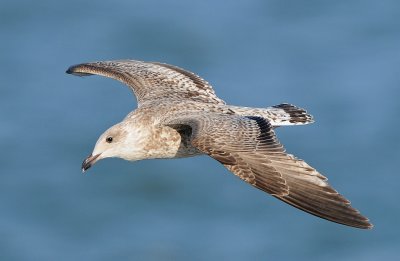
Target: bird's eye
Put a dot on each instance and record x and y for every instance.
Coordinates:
(109, 139)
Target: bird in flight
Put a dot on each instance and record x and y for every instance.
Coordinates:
(179, 115)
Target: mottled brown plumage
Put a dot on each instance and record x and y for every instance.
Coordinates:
(179, 115)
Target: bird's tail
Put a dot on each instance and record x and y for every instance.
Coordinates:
(279, 115)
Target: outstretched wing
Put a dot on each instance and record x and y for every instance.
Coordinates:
(151, 81)
(248, 147)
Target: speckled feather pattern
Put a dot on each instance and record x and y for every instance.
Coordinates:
(179, 115)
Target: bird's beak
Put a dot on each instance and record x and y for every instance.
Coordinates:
(89, 161)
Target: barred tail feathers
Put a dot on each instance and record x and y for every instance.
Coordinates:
(279, 115)
(288, 114)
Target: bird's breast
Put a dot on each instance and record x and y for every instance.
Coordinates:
(166, 142)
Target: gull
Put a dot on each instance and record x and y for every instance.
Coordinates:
(179, 115)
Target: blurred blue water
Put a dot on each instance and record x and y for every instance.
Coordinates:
(338, 59)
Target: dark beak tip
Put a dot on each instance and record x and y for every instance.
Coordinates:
(85, 165)
(88, 162)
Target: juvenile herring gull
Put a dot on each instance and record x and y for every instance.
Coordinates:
(179, 115)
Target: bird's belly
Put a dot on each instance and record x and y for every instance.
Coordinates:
(187, 151)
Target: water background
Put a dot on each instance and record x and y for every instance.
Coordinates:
(338, 59)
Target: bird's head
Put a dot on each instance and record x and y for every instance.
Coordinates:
(117, 142)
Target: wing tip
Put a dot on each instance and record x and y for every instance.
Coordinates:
(347, 216)
(78, 70)
(366, 224)
(70, 69)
